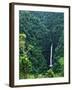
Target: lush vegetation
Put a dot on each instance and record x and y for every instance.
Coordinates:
(38, 30)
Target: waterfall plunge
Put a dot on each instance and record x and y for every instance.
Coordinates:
(51, 55)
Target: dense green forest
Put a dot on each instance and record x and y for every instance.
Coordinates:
(37, 31)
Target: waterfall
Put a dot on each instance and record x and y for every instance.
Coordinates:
(51, 55)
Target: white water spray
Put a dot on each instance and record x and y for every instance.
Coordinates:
(51, 55)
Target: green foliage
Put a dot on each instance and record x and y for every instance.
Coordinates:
(37, 30)
(25, 65)
(59, 67)
(24, 62)
(50, 73)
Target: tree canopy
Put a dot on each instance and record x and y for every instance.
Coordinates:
(38, 30)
